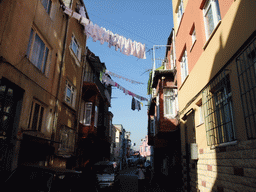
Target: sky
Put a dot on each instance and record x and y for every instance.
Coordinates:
(148, 22)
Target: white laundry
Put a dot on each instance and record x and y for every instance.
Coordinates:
(84, 21)
(97, 33)
(105, 36)
(82, 11)
(76, 16)
(125, 49)
(68, 11)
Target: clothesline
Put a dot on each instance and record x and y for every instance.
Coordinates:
(109, 81)
(115, 75)
(126, 46)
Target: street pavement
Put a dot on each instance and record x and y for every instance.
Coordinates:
(128, 182)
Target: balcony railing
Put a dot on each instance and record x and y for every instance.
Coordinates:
(93, 78)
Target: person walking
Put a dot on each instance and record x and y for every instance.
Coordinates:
(141, 178)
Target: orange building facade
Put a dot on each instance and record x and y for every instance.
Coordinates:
(215, 55)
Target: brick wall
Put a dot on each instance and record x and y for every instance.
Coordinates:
(229, 168)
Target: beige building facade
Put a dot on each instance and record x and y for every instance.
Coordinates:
(42, 63)
(215, 56)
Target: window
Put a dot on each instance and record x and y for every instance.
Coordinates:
(193, 36)
(96, 116)
(86, 113)
(246, 70)
(211, 13)
(37, 51)
(180, 11)
(47, 5)
(36, 116)
(217, 103)
(70, 94)
(110, 127)
(201, 116)
(67, 139)
(184, 66)
(152, 126)
(169, 103)
(75, 48)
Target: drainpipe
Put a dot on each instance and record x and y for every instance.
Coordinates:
(60, 77)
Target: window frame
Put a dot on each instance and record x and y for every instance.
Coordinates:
(96, 114)
(216, 16)
(218, 109)
(172, 103)
(193, 36)
(85, 107)
(34, 39)
(184, 66)
(180, 11)
(72, 98)
(47, 6)
(77, 53)
(246, 73)
(39, 117)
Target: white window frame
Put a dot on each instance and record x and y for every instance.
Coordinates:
(180, 11)
(211, 5)
(184, 66)
(38, 51)
(193, 36)
(86, 113)
(71, 100)
(36, 119)
(47, 5)
(157, 108)
(75, 48)
(201, 114)
(170, 100)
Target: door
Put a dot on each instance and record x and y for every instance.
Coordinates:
(10, 104)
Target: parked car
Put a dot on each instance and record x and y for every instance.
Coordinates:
(106, 173)
(43, 179)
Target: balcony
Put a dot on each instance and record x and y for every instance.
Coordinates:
(92, 85)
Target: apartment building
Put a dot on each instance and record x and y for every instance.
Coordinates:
(31, 49)
(163, 118)
(145, 149)
(215, 59)
(95, 124)
(44, 87)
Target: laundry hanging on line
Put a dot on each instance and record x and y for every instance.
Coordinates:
(109, 81)
(118, 76)
(135, 104)
(126, 46)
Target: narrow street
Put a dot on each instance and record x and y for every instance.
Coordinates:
(128, 182)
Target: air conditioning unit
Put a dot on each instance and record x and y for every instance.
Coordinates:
(193, 151)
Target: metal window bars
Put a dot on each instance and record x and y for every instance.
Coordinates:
(218, 110)
(246, 69)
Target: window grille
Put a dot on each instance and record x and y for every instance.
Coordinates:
(246, 66)
(217, 106)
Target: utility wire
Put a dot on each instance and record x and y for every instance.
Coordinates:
(124, 29)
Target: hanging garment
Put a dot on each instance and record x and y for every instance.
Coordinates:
(133, 103)
(76, 16)
(82, 11)
(68, 11)
(139, 108)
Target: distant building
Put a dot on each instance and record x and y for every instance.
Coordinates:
(145, 149)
